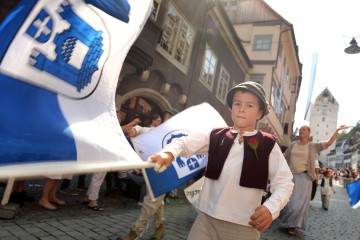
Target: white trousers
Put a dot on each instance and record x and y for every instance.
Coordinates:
(95, 184)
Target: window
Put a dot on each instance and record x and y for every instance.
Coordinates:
(280, 51)
(262, 42)
(259, 78)
(286, 128)
(230, 5)
(223, 84)
(208, 69)
(155, 9)
(323, 111)
(287, 75)
(273, 98)
(177, 39)
(233, 84)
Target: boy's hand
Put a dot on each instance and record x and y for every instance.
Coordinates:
(162, 161)
(261, 219)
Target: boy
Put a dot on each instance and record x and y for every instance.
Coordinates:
(240, 163)
(327, 188)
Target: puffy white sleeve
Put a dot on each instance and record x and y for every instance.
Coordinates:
(194, 143)
(281, 184)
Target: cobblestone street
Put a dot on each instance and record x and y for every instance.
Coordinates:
(76, 221)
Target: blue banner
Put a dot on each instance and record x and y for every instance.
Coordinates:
(198, 118)
(354, 193)
(59, 66)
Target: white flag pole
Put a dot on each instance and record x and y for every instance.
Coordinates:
(8, 190)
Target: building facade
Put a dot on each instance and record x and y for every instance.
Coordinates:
(323, 120)
(188, 53)
(346, 153)
(270, 42)
(191, 52)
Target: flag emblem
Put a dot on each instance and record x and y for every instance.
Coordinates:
(64, 49)
(79, 39)
(184, 166)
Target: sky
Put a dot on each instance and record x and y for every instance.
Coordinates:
(326, 28)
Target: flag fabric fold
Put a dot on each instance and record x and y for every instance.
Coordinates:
(354, 193)
(59, 67)
(201, 117)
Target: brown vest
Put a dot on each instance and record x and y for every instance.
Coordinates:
(255, 171)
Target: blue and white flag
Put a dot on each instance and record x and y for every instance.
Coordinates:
(354, 193)
(59, 66)
(202, 117)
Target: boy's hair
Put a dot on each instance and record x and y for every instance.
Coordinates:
(253, 87)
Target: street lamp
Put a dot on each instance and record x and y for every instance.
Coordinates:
(353, 49)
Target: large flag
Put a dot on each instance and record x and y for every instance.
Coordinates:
(354, 193)
(194, 119)
(59, 66)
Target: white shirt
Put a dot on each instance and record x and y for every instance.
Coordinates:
(299, 158)
(141, 130)
(224, 198)
(326, 189)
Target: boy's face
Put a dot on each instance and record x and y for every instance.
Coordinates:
(245, 110)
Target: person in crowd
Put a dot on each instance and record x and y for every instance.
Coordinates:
(301, 156)
(241, 161)
(80, 186)
(136, 175)
(151, 208)
(48, 197)
(337, 176)
(315, 182)
(92, 193)
(19, 195)
(347, 176)
(97, 178)
(155, 121)
(114, 179)
(327, 188)
(355, 175)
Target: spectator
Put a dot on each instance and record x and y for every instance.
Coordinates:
(301, 156)
(49, 197)
(327, 188)
(97, 178)
(19, 195)
(137, 177)
(114, 180)
(66, 182)
(315, 182)
(347, 176)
